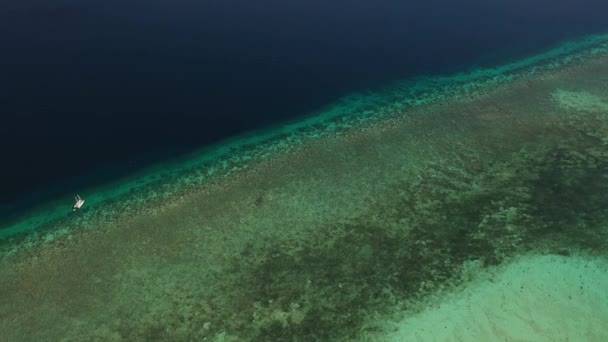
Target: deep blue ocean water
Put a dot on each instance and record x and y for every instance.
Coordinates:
(91, 90)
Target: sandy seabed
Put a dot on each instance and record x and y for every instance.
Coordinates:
(533, 298)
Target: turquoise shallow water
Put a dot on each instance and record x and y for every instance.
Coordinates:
(539, 298)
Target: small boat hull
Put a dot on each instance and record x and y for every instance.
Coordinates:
(79, 203)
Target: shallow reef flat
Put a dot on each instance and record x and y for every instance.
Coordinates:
(478, 215)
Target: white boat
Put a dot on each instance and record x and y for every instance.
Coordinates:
(79, 202)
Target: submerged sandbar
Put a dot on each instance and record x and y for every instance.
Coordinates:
(332, 233)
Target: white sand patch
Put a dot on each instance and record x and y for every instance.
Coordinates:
(536, 298)
(580, 100)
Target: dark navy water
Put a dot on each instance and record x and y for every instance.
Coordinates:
(91, 90)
